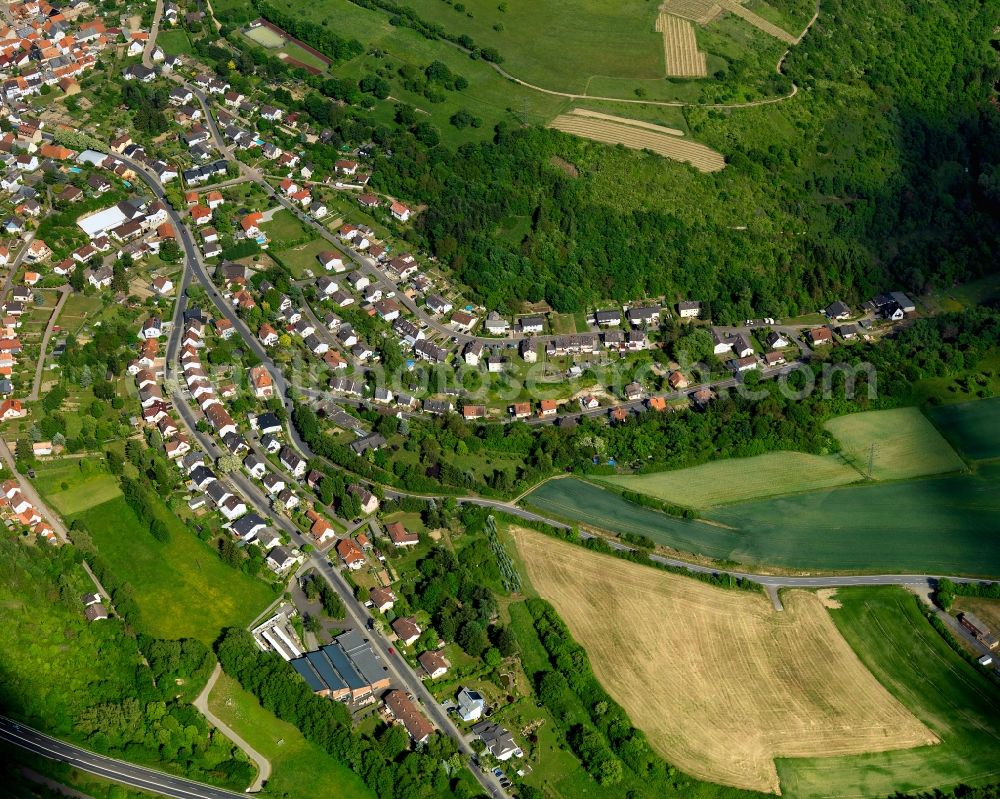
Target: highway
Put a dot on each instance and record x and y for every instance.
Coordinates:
(139, 777)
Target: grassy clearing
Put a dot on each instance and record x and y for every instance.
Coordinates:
(488, 95)
(174, 42)
(544, 45)
(283, 227)
(886, 629)
(906, 444)
(181, 587)
(973, 427)
(943, 525)
(740, 479)
(303, 257)
(299, 768)
(93, 491)
(656, 640)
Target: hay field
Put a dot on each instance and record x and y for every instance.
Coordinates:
(886, 627)
(635, 123)
(720, 682)
(733, 7)
(700, 11)
(906, 444)
(622, 132)
(740, 479)
(681, 55)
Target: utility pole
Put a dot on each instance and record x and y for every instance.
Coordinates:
(871, 458)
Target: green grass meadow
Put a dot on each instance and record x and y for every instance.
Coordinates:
(283, 227)
(302, 257)
(740, 479)
(886, 629)
(942, 525)
(182, 588)
(905, 444)
(488, 95)
(174, 41)
(299, 768)
(972, 427)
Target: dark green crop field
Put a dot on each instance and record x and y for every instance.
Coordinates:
(942, 525)
(972, 427)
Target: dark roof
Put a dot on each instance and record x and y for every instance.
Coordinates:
(266, 420)
(244, 525)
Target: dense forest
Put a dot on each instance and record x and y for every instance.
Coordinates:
(882, 172)
(890, 178)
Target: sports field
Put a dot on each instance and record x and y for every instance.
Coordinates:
(720, 682)
(895, 642)
(942, 525)
(740, 479)
(298, 767)
(905, 444)
(973, 427)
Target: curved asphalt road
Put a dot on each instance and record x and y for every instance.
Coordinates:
(139, 777)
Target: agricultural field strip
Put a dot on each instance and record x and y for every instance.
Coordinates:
(972, 427)
(680, 48)
(698, 155)
(634, 123)
(700, 11)
(905, 442)
(757, 21)
(740, 479)
(811, 696)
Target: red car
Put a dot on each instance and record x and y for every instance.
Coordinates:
(392, 651)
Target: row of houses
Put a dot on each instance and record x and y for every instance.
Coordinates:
(17, 509)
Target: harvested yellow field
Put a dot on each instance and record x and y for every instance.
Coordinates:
(733, 7)
(635, 123)
(680, 48)
(699, 156)
(720, 682)
(700, 11)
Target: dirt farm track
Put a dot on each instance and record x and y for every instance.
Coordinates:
(720, 682)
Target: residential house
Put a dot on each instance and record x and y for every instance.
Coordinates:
(400, 536)
(434, 663)
(407, 630)
(689, 309)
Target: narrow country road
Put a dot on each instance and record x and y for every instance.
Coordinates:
(154, 30)
(39, 368)
(32, 496)
(263, 764)
(26, 242)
